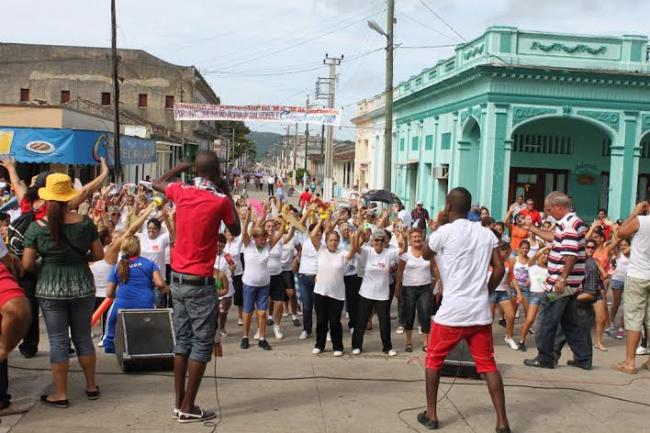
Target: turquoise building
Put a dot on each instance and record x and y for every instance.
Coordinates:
(520, 112)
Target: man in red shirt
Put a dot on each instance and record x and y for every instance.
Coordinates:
(305, 198)
(200, 209)
(530, 211)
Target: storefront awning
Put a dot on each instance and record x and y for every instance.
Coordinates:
(72, 146)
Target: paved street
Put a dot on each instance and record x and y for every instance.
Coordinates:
(277, 392)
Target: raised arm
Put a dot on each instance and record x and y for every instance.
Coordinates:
(113, 250)
(245, 235)
(89, 189)
(20, 189)
(631, 224)
(315, 235)
(161, 183)
(398, 277)
(170, 227)
(278, 234)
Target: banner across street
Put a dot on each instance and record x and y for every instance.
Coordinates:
(258, 113)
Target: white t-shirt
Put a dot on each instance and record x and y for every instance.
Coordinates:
(308, 257)
(275, 259)
(537, 276)
(234, 249)
(417, 271)
(154, 249)
(256, 272)
(639, 266)
(622, 265)
(376, 278)
(351, 265)
(288, 254)
(270, 180)
(463, 254)
(361, 262)
(101, 271)
(220, 264)
(329, 279)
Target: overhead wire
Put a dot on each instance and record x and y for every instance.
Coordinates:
(449, 26)
(402, 13)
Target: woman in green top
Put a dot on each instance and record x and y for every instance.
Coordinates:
(65, 287)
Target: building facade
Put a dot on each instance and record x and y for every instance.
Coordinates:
(81, 78)
(519, 112)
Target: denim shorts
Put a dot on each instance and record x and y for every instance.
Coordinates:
(256, 298)
(195, 320)
(534, 298)
(499, 296)
(617, 285)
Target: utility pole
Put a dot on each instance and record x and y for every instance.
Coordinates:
(295, 157)
(304, 173)
(182, 129)
(117, 163)
(388, 131)
(328, 182)
(287, 147)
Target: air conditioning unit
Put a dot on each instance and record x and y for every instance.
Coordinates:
(440, 172)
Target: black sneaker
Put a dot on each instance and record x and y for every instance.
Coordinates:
(535, 363)
(27, 354)
(269, 322)
(296, 322)
(197, 415)
(522, 346)
(502, 322)
(264, 345)
(244, 343)
(572, 363)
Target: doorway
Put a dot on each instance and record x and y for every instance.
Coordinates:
(535, 183)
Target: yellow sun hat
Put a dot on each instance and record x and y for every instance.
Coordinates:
(58, 187)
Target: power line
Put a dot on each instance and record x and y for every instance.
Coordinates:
(442, 19)
(427, 26)
(420, 47)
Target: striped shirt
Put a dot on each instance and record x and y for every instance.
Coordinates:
(568, 240)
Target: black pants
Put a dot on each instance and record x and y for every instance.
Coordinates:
(417, 298)
(585, 317)
(328, 317)
(383, 313)
(352, 286)
(30, 342)
(5, 399)
(270, 190)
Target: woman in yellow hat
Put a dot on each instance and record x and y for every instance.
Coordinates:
(65, 289)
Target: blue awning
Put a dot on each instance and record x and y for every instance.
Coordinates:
(72, 146)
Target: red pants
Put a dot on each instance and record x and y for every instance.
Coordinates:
(444, 338)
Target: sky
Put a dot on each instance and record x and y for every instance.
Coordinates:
(271, 51)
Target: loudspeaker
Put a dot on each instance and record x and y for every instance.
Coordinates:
(144, 339)
(459, 363)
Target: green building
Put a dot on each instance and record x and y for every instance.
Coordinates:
(520, 112)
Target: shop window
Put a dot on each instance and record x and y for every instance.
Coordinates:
(428, 142)
(24, 95)
(415, 143)
(548, 144)
(106, 98)
(169, 101)
(142, 100)
(65, 96)
(401, 144)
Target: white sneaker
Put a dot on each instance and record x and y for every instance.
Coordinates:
(420, 330)
(351, 330)
(642, 350)
(101, 343)
(347, 315)
(257, 335)
(356, 351)
(223, 333)
(278, 332)
(392, 352)
(512, 343)
(285, 314)
(316, 351)
(399, 330)
(329, 337)
(303, 335)
(338, 353)
(240, 322)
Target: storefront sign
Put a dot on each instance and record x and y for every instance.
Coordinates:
(258, 113)
(71, 146)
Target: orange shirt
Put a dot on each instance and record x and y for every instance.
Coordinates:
(517, 234)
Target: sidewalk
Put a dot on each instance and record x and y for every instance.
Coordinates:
(299, 402)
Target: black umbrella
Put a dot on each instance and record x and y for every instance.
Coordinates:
(383, 196)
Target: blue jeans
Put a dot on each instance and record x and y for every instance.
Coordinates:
(256, 298)
(565, 312)
(585, 316)
(307, 283)
(195, 320)
(119, 304)
(61, 315)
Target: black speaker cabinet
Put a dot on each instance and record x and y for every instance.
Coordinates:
(459, 363)
(144, 340)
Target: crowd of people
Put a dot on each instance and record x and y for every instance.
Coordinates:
(198, 249)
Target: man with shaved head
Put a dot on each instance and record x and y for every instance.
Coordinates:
(200, 209)
(464, 250)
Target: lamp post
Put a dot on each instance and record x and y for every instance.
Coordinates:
(388, 127)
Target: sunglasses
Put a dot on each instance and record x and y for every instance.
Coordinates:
(379, 240)
(590, 247)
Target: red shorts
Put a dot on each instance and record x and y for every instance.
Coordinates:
(444, 338)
